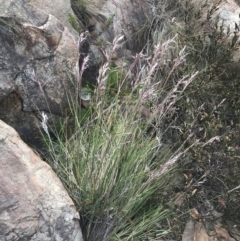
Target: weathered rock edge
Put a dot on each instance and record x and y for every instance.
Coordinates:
(34, 205)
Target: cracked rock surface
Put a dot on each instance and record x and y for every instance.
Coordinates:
(34, 205)
(38, 57)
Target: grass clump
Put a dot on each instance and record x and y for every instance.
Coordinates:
(111, 179)
(115, 166)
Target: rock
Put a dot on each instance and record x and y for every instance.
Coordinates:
(188, 233)
(34, 205)
(37, 67)
(26, 123)
(128, 18)
(229, 13)
(227, 10)
(61, 9)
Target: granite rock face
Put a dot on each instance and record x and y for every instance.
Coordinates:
(34, 205)
(60, 9)
(37, 66)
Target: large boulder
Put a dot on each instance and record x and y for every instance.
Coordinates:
(37, 67)
(34, 205)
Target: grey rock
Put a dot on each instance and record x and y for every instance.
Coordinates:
(61, 9)
(37, 66)
(34, 205)
(128, 17)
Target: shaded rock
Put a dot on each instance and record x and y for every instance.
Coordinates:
(37, 66)
(26, 123)
(33, 203)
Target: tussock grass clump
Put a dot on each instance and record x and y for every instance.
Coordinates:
(115, 166)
